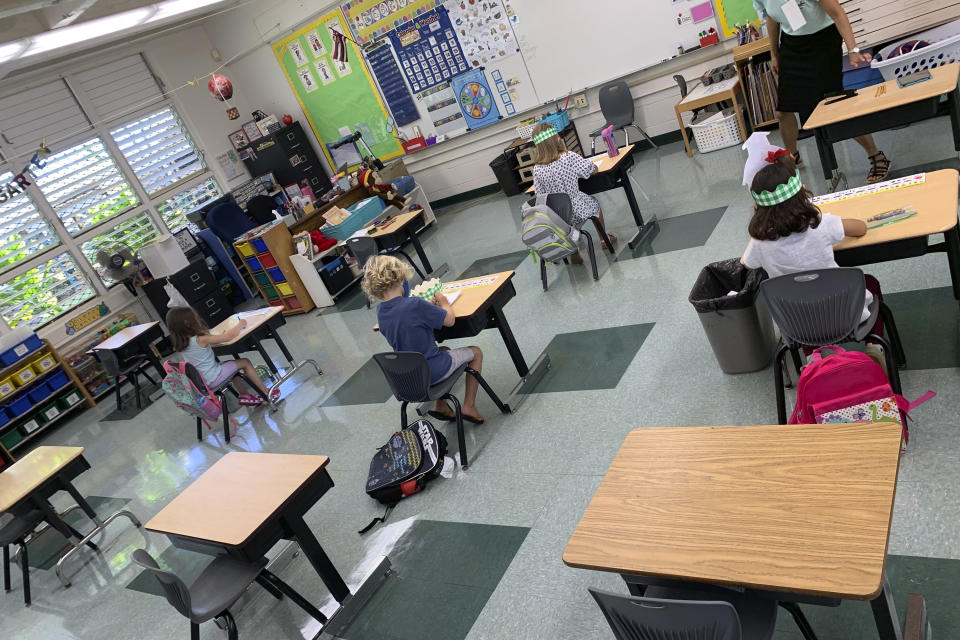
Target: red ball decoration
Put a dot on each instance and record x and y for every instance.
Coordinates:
(220, 87)
(287, 119)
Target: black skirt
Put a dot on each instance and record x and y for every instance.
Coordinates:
(811, 66)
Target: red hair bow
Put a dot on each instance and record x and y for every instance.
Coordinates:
(773, 155)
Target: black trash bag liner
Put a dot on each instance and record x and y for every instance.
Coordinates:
(717, 279)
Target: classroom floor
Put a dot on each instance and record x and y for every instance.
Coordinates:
(478, 555)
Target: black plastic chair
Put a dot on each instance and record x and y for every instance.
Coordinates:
(217, 588)
(260, 209)
(561, 205)
(823, 307)
(16, 532)
(640, 618)
(408, 375)
(616, 105)
(220, 391)
(126, 371)
(365, 248)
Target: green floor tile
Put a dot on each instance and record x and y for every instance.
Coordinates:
(927, 320)
(493, 264)
(674, 234)
(443, 575)
(45, 549)
(366, 386)
(594, 359)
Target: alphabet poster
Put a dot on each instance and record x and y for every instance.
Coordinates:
(483, 28)
(371, 18)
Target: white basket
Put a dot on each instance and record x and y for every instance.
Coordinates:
(718, 132)
(526, 131)
(944, 48)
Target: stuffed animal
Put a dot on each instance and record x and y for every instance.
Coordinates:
(388, 193)
(320, 242)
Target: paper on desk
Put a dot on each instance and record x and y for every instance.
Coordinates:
(452, 297)
(598, 162)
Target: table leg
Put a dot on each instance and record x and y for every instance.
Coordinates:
(827, 156)
(683, 132)
(953, 102)
(427, 267)
(952, 238)
(512, 347)
(885, 614)
(82, 502)
(283, 348)
(644, 228)
(317, 556)
(266, 356)
(155, 361)
(736, 110)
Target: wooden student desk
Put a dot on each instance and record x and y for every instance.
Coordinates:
(798, 509)
(261, 325)
(612, 174)
(135, 340)
(936, 204)
(867, 112)
(30, 482)
(706, 95)
(403, 227)
(246, 503)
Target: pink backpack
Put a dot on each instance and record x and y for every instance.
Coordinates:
(849, 386)
(188, 390)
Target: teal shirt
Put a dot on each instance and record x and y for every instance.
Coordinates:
(817, 18)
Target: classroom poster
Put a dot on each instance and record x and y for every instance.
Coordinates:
(428, 50)
(476, 100)
(371, 18)
(316, 44)
(395, 91)
(731, 12)
(331, 101)
(483, 29)
(296, 51)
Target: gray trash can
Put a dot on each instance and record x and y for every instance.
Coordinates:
(738, 325)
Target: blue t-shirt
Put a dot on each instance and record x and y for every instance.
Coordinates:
(408, 325)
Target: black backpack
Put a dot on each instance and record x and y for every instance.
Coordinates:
(404, 465)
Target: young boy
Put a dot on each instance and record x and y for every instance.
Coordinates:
(408, 323)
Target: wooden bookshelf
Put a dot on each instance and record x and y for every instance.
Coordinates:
(266, 253)
(759, 85)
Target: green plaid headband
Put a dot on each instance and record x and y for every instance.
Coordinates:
(543, 135)
(781, 194)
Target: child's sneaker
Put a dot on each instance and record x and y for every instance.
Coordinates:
(248, 400)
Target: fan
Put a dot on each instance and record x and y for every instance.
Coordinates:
(120, 263)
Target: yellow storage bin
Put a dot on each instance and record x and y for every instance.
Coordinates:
(23, 376)
(284, 289)
(245, 249)
(44, 363)
(6, 387)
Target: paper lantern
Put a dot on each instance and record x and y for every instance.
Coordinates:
(220, 87)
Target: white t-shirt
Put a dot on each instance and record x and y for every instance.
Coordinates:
(800, 251)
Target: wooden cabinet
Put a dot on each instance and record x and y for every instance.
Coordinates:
(757, 82)
(266, 254)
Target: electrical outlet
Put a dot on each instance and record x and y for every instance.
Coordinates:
(580, 100)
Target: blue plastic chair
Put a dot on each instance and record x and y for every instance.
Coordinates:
(228, 221)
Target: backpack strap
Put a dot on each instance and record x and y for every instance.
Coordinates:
(375, 521)
(906, 406)
(833, 348)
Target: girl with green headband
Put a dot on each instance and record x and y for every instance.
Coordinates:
(788, 233)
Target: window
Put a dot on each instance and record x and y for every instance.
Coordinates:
(159, 150)
(84, 186)
(174, 209)
(133, 233)
(22, 231)
(44, 292)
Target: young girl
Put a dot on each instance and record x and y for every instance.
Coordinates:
(408, 323)
(559, 171)
(192, 338)
(789, 234)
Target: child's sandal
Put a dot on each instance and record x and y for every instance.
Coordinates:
(797, 160)
(879, 168)
(248, 400)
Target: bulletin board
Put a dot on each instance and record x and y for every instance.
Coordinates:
(371, 18)
(334, 95)
(731, 12)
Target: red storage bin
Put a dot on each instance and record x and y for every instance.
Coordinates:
(267, 260)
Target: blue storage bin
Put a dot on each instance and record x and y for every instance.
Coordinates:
(860, 78)
(57, 380)
(39, 393)
(18, 351)
(19, 406)
(559, 120)
(361, 214)
(404, 184)
(276, 274)
(4, 417)
(259, 245)
(254, 264)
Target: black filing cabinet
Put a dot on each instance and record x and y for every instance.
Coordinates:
(197, 284)
(288, 155)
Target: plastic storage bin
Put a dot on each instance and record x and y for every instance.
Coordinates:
(262, 278)
(18, 351)
(292, 303)
(30, 425)
(58, 380)
(254, 264)
(6, 387)
(50, 413)
(560, 120)
(24, 376)
(738, 326)
(11, 438)
(267, 260)
(4, 417)
(944, 48)
(361, 214)
(717, 132)
(259, 245)
(276, 274)
(39, 393)
(285, 289)
(245, 249)
(270, 292)
(69, 399)
(19, 406)
(44, 363)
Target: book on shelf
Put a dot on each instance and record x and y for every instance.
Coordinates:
(760, 91)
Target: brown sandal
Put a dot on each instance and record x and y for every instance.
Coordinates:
(879, 168)
(797, 160)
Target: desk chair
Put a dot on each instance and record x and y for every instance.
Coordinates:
(677, 614)
(682, 84)
(220, 391)
(228, 221)
(217, 588)
(260, 209)
(560, 204)
(616, 105)
(365, 248)
(823, 307)
(127, 371)
(408, 375)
